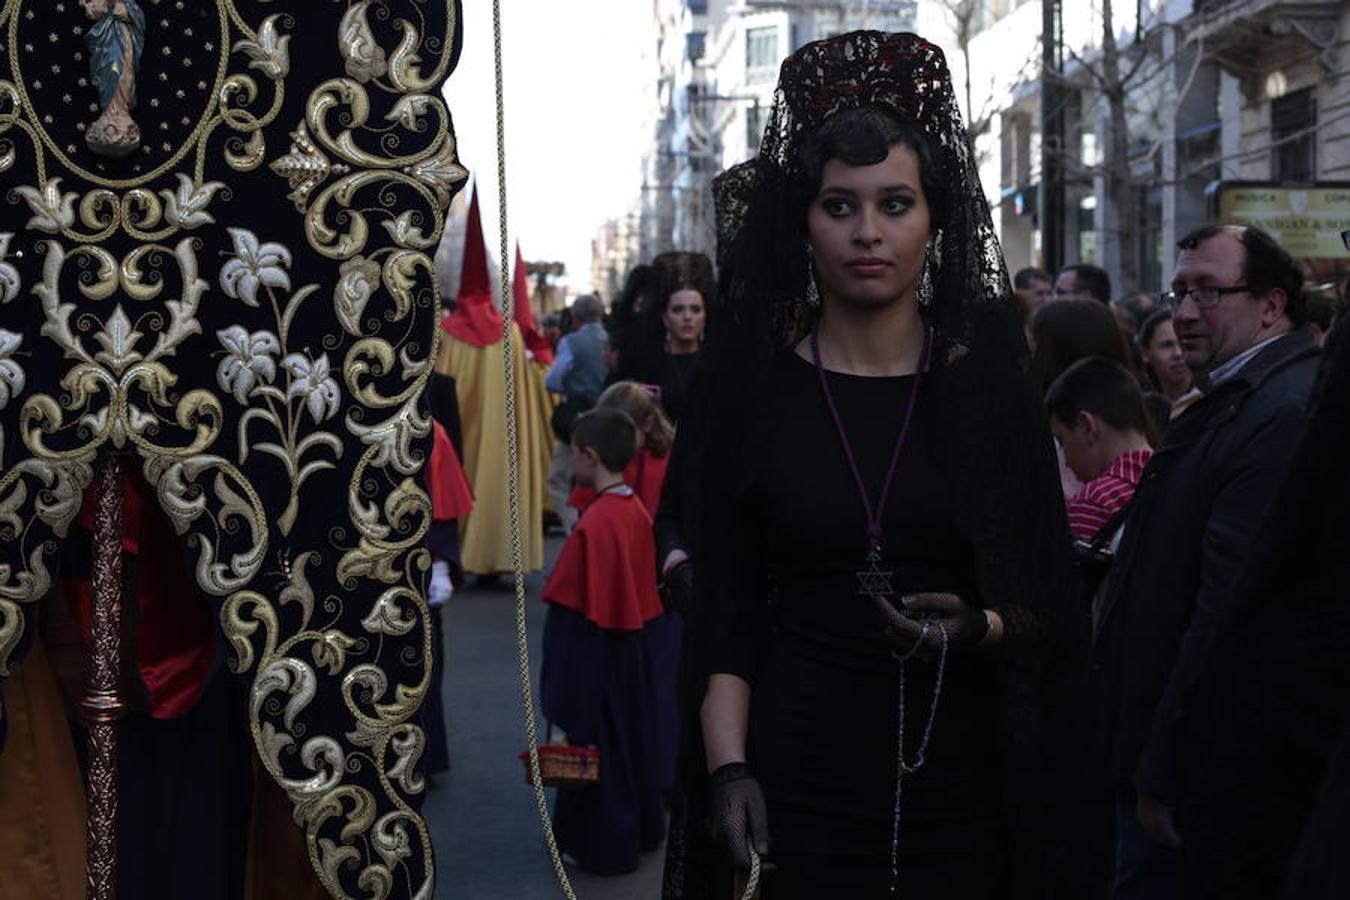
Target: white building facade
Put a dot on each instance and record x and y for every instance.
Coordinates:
(1228, 92)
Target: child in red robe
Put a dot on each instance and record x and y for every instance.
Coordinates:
(606, 645)
(647, 471)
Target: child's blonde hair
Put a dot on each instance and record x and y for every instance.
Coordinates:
(657, 432)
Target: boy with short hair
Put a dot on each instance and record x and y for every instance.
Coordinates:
(605, 649)
(1097, 414)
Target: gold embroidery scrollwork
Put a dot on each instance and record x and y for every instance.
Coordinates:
(372, 189)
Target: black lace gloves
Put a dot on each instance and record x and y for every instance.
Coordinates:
(915, 631)
(679, 588)
(739, 819)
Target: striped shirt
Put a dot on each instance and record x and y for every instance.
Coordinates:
(1104, 496)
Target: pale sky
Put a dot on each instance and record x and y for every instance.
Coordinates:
(575, 119)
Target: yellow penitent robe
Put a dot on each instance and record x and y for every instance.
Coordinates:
(480, 383)
(42, 822)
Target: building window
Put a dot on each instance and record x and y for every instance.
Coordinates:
(1293, 124)
(695, 42)
(755, 117)
(761, 53)
(697, 7)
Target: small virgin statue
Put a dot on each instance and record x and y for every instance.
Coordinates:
(115, 42)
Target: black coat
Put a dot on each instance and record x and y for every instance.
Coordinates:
(1190, 527)
(1260, 731)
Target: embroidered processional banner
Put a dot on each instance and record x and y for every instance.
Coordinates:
(215, 221)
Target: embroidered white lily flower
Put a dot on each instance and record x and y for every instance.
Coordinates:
(358, 278)
(187, 207)
(248, 360)
(11, 375)
(9, 276)
(255, 263)
(312, 382)
(269, 53)
(52, 209)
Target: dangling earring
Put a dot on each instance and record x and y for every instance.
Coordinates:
(932, 259)
(812, 291)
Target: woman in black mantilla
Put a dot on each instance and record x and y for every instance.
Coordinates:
(878, 539)
(666, 348)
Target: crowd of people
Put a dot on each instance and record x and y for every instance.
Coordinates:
(905, 577)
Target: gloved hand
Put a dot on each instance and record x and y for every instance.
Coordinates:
(679, 588)
(917, 630)
(739, 817)
(440, 587)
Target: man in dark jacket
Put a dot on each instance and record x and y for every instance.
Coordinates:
(1238, 298)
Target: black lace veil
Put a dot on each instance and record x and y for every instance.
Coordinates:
(761, 245)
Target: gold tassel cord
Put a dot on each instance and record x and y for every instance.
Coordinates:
(513, 475)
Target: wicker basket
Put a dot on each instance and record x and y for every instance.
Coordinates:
(565, 766)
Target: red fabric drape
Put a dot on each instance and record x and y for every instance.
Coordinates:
(451, 495)
(176, 640)
(607, 569)
(645, 475)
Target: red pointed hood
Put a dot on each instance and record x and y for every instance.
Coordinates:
(475, 320)
(523, 313)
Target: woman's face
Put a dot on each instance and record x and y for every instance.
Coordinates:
(869, 228)
(1165, 358)
(685, 316)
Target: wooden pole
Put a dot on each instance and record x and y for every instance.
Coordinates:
(103, 702)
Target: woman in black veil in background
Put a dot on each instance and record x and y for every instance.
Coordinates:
(799, 645)
(663, 345)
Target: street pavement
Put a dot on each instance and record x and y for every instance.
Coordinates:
(482, 816)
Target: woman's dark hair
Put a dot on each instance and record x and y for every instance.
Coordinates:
(680, 271)
(1266, 267)
(1104, 388)
(1066, 331)
(864, 137)
(1146, 330)
(640, 283)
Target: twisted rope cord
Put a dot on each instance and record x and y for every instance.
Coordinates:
(513, 493)
(513, 471)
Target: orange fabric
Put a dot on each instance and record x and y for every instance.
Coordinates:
(645, 475)
(42, 821)
(607, 569)
(523, 313)
(451, 496)
(476, 320)
(278, 861)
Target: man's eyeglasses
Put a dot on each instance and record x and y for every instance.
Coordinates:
(1205, 297)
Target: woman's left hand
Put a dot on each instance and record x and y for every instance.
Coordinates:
(965, 625)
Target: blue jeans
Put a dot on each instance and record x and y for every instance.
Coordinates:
(1145, 869)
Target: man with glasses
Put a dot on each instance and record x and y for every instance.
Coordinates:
(1237, 299)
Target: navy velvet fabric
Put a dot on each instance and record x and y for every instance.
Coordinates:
(613, 690)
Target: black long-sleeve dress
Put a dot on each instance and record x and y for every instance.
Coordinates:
(823, 723)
